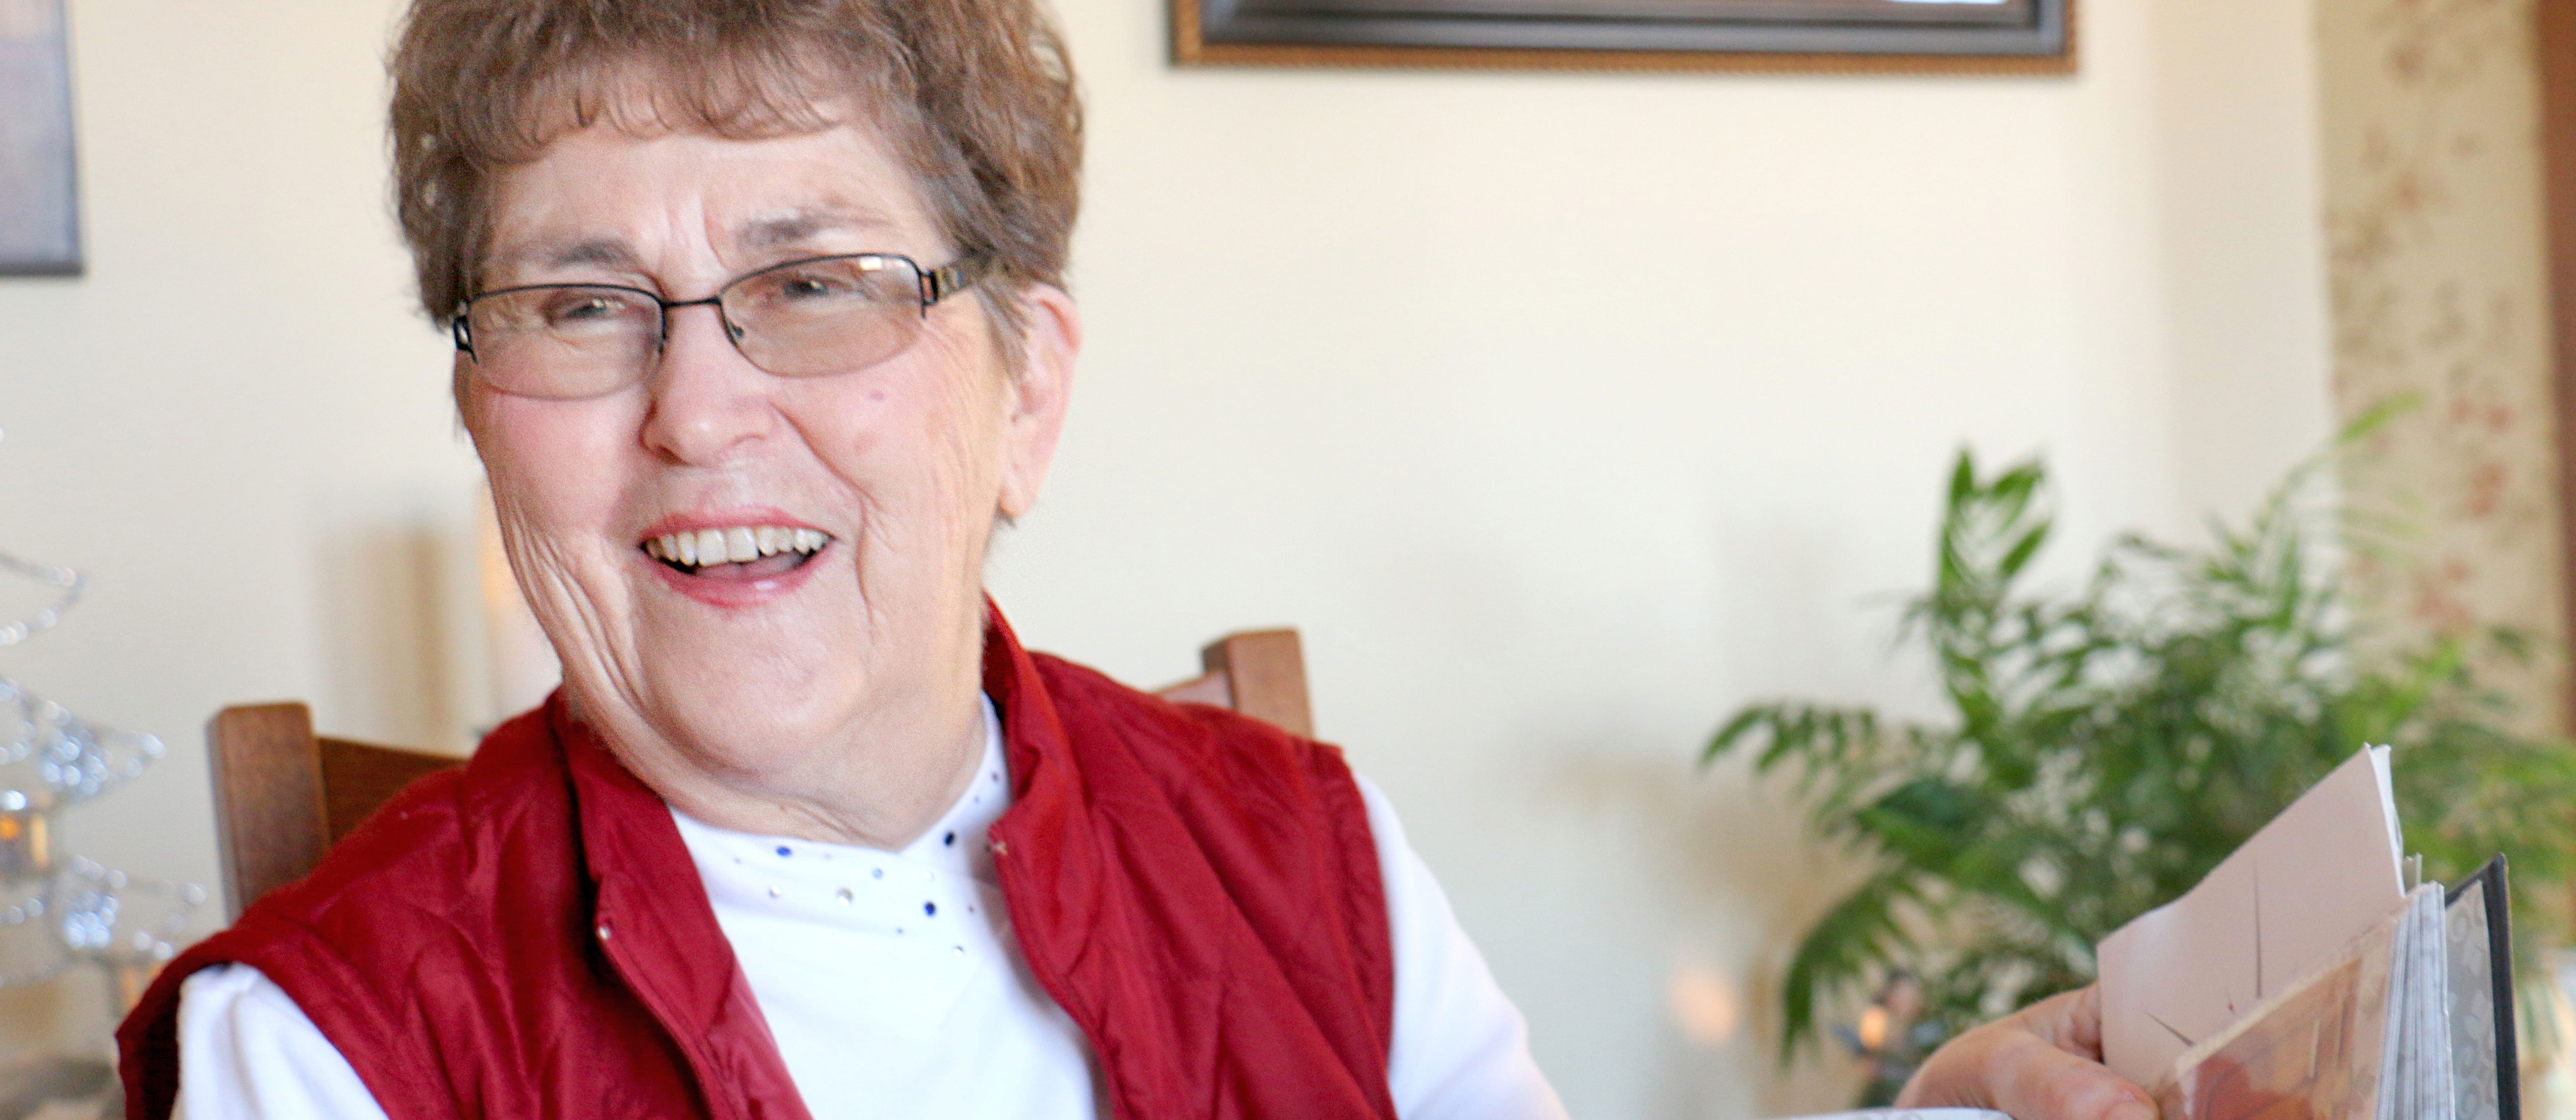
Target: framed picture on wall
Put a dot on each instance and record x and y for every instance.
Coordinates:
(39, 203)
(1923, 36)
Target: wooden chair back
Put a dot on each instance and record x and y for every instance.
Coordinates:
(284, 795)
(1260, 673)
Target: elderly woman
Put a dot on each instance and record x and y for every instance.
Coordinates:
(761, 331)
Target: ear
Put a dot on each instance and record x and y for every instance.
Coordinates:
(1040, 393)
(462, 389)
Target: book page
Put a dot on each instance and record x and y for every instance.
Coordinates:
(2311, 1052)
(2321, 874)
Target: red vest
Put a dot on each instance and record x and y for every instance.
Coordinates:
(527, 937)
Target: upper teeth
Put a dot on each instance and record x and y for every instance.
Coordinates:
(740, 544)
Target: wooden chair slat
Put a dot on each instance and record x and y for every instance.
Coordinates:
(268, 798)
(358, 778)
(1267, 673)
(1207, 688)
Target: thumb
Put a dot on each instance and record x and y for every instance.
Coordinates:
(2027, 1077)
(2035, 1065)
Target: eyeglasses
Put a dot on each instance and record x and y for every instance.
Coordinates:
(807, 318)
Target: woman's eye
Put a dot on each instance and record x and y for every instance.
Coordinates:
(579, 310)
(812, 287)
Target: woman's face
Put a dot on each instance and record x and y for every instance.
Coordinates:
(763, 674)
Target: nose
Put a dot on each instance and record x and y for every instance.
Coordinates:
(708, 401)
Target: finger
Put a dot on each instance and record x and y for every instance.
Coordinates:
(2031, 1077)
(2072, 1021)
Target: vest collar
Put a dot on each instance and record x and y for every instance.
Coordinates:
(649, 911)
(653, 922)
(628, 837)
(650, 918)
(1041, 838)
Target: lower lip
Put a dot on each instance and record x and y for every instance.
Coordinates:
(737, 593)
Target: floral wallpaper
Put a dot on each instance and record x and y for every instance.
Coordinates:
(2430, 119)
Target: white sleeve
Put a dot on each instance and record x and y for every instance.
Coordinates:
(1461, 1051)
(247, 1052)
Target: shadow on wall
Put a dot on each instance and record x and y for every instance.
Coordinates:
(382, 633)
(427, 641)
(1744, 878)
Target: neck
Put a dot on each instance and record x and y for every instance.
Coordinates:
(882, 789)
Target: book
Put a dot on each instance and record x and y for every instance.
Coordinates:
(2305, 979)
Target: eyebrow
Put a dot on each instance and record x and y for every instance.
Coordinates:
(604, 252)
(607, 252)
(792, 228)
(799, 226)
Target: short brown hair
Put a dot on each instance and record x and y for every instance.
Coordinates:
(978, 95)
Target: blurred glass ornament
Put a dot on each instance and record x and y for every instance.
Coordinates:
(26, 845)
(70, 583)
(31, 952)
(107, 915)
(51, 759)
(129, 926)
(53, 917)
(89, 913)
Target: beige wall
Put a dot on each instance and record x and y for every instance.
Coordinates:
(1562, 412)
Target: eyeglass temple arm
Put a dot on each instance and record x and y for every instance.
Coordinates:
(941, 283)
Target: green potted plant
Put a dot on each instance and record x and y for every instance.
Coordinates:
(2107, 744)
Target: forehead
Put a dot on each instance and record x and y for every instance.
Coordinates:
(605, 192)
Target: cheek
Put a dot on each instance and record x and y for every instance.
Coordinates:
(920, 441)
(970, 417)
(553, 465)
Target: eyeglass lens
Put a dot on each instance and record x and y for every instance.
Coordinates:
(802, 319)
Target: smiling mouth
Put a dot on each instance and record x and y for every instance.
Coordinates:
(743, 552)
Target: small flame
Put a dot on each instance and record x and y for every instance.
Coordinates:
(1873, 1028)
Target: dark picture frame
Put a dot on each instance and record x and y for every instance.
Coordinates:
(1865, 36)
(39, 183)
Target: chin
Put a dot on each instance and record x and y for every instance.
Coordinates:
(735, 714)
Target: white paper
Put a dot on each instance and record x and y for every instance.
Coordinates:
(2321, 874)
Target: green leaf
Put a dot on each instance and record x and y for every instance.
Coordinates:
(2024, 549)
(1743, 724)
(1839, 954)
(2106, 744)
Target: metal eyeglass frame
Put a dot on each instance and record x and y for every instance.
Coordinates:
(936, 285)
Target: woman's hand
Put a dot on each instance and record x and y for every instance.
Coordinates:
(2042, 1063)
